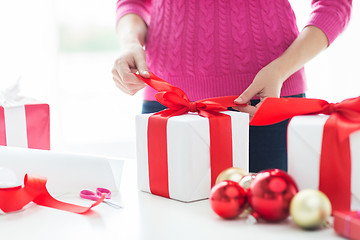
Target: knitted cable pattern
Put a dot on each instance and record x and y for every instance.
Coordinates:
(216, 47)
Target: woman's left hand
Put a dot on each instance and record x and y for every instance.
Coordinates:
(267, 83)
(269, 80)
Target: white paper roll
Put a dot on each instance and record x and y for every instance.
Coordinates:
(65, 172)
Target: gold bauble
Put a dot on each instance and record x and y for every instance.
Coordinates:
(246, 180)
(233, 174)
(310, 209)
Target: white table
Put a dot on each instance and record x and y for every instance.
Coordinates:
(144, 216)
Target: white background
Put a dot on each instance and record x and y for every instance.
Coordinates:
(86, 108)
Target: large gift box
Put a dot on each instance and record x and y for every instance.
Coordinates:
(188, 153)
(323, 146)
(304, 148)
(181, 150)
(347, 224)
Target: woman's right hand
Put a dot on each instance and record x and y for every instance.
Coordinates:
(132, 59)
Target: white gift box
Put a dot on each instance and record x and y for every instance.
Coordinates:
(188, 149)
(304, 148)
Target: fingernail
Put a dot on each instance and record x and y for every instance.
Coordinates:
(238, 100)
(145, 72)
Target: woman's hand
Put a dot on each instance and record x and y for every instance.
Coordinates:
(132, 32)
(269, 80)
(267, 83)
(131, 60)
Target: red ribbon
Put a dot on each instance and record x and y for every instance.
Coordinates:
(335, 160)
(34, 190)
(178, 103)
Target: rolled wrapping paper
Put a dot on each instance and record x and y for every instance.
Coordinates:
(8, 178)
(65, 172)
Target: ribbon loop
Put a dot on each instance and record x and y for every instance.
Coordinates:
(174, 98)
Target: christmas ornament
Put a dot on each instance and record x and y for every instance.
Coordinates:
(270, 194)
(227, 199)
(233, 174)
(247, 180)
(310, 209)
(245, 183)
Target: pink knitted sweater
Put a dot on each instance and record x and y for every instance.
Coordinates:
(212, 48)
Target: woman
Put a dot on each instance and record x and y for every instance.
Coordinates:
(219, 48)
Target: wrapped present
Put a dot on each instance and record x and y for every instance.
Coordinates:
(23, 123)
(321, 152)
(305, 135)
(347, 224)
(179, 153)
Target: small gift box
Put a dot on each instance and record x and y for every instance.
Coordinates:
(323, 150)
(180, 154)
(23, 122)
(347, 224)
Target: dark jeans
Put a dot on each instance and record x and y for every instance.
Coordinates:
(267, 144)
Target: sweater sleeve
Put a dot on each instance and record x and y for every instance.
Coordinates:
(331, 16)
(139, 7)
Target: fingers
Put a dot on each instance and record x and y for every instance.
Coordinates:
(141, 65)
(248, 94)
(251, 110)
(246, 109)
(123, 76)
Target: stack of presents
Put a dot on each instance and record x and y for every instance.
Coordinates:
(181, 150)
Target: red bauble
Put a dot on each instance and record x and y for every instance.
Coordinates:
(270, 194)
(227, 199)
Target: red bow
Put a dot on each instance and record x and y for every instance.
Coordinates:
(335, 162)
(178, 103)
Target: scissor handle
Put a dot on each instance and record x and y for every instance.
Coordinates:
(87, 194)
(101, 191)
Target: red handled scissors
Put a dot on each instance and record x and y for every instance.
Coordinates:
(90, 195)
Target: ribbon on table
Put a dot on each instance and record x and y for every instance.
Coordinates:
(335, 159)
(178, 103)
(34, 190)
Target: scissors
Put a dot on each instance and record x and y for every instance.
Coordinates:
(90, 195)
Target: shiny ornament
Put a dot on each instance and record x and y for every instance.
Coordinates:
(270, 194)
(310, 209)
(233, 174)
(227, 199)
(247, 180)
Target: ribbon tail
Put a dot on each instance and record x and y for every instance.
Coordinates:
(335, 167)
(38, 185)
(221, 156)
(157, 155)
(46, 200)
(274, 110)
